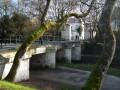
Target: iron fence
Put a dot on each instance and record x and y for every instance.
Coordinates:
(14, 39)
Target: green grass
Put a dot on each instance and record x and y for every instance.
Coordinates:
(11, 86)
(114, 72)
(89, 67)
(68, 87)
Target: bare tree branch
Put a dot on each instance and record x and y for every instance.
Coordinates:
(45, 11)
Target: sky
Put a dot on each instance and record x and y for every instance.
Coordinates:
(15, 0)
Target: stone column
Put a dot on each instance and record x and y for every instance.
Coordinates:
(67, 53)
(68, 32)
(50, 59)
(44, 60)
(60, 55)
(23, 71)
(76, 52)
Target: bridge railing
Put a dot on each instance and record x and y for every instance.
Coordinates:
(50, 38)
(14, 39)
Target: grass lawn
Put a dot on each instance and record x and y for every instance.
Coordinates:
(11, 86)
(89, 67)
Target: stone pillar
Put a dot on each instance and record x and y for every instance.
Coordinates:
(68, 32)
(50, 59)
(44, 60)
(67, 53)
(76, 52)
(60, 55)
(23, 71)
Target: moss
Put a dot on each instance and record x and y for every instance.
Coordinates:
(94, 80)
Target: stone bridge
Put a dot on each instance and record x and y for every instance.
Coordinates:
(39, 56)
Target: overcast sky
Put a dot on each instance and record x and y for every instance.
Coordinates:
(15, 0)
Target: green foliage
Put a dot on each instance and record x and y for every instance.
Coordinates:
(20, 23)
(11, 86)
(5, 23)
(67, 87)
(80, 29)
(87, 67)
(16, 24)
(19, 19)
(114, 72)
(92, 48)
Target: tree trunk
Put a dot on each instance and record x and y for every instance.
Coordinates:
(45, 11)
(96, 77)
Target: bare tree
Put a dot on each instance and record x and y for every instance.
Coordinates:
(61, 7)
(92, 19)
(35, 8)
(5, 6)
(58, 9)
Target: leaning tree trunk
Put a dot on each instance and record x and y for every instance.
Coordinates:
(96, 77)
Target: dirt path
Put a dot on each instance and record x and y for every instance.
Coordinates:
(44, 84)
(55, 79)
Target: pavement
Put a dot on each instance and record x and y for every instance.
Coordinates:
(72, 77)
